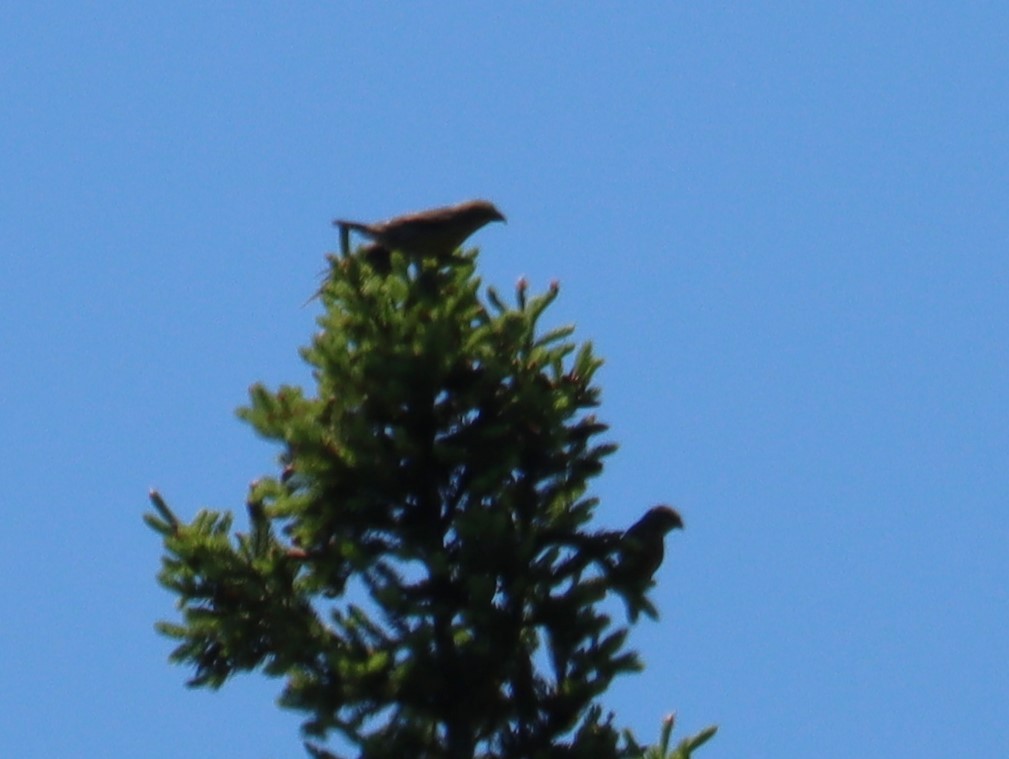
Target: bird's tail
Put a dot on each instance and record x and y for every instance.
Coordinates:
(345, 228)
(352, 225)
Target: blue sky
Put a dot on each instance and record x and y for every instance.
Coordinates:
(784, 227)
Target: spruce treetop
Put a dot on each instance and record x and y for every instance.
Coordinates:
(421, 569)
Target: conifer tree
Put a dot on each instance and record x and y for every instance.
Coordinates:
(422, 570)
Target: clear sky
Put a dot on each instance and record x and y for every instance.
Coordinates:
(784, 226)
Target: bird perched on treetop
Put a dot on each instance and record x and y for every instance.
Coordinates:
(435, 232)
(640, 553)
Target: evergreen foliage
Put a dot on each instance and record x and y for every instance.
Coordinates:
(421, 572)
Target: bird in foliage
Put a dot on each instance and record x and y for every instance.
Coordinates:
(640, 551)
(435, 232)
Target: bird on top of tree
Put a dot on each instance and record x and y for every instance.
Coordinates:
(435, 232)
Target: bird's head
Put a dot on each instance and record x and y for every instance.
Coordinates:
(662, 519)
(481, 212)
